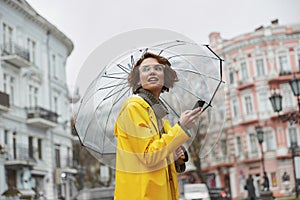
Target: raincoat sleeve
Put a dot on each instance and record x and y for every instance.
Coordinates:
(137, 132)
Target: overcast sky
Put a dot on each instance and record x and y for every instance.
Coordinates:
(88, 23)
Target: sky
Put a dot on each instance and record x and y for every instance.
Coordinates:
(89, 23)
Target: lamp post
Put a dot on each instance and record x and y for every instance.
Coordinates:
(293, 151)
(276, 101)
(265, 194)
(260, 137)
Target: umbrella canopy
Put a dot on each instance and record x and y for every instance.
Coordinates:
(198, 68)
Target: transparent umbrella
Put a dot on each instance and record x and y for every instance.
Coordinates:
(198, 68)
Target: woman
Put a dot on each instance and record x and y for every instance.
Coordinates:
(147, 145)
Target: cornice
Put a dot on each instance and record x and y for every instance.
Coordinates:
(25, 9)
(227, 48)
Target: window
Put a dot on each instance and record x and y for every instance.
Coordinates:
(235, 107)
(298, 61)
(57, 155)
(231, 76)
(40, 144)
(31, 45)
(9, 86)
(288, 100)
(213, 152)
(292, 136)
(15, 145)
(6, 137)
(298, 57)
(244, 71)
(253, 143)
(224, 146)
(30, 147)
(260, 68)
(55, 102)
(239, 146)
(53, 62)
(273, 179)
(248, 105)
(283, 64)
(68, 156)
(7, 38)
(270, 141)
(33, 95)
(263, 98)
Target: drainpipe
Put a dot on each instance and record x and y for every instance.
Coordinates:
(50, 108)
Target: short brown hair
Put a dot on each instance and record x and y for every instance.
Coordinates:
(169, 74)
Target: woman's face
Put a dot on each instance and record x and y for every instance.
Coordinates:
(152, 76)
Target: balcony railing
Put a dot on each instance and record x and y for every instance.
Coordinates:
(12, 48)
(4, 101)
(39, 112)
(21, 156)
(15, 54)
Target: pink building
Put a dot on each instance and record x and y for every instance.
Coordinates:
(256, 64)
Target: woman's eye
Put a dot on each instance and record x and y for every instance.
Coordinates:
(158, 68)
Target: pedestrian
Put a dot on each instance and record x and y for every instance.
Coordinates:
(149, 149)
(266, 183)
(250, 188)
(285, 177)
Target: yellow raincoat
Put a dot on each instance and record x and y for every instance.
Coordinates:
(145, 168)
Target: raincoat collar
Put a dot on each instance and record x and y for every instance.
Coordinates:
(156, 104)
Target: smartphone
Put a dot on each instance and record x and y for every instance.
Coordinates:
(199, 103)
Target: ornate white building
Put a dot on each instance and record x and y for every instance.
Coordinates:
(35, 135)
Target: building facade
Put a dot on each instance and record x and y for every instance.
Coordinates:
(256, 64)
(35, 135)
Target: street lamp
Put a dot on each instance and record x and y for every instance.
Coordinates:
(260, 137)
(276, 101)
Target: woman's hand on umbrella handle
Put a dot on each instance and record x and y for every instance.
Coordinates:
(189, 117)
(179, 156)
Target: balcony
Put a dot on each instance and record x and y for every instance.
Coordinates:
(20, 156)
(15, 55)
(224, 161)
(283, 77)
(41, 117)
(245, 84)
(4, 101)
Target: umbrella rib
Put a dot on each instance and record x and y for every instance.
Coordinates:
(181, 55)
(165, 102)
(111, 86)
(94, 114)
(195, 72)
(112, 94)
(132, 60)
(88, 98)
(170, 47)
(188, 91)
(113, 77)
(213, 52)
(110, 111)
(125, 69)
(212, 97)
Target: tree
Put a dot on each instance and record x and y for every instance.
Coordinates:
(195, 148)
